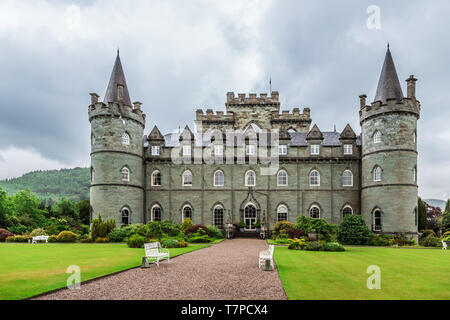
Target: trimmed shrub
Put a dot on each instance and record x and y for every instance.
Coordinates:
(117, 235)
(282, 226)
(5, 234)
(53, 238)
(170, 243)
(380, 240)
(182, 244)
(200, 236)
(333, 246)
(430, 241)
(215, 232)
(314, 246)
(66, 236)
(101, 240)
(136, 241)
(297, 244)
(294, 233)
(38, 232)
(195, 229)
(86, 240)
(353, 230)
(187, 223)
(428, 232)
(18, 238)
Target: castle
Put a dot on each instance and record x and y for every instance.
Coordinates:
(136, 178)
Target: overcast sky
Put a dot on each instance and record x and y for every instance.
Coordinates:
(182, 55)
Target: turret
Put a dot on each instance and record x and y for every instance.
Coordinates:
(117, 129)
(389, 155)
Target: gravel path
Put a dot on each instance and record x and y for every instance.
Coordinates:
(228, 270)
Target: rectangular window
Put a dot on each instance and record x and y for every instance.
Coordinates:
(315, 149)
(250, 149)
(156, 151)
(186, 150)
(348, 149)
(218, 150)
(282, 150)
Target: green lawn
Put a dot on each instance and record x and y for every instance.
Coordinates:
(405, 273)
(27, 270)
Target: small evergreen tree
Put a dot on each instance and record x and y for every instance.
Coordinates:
(101, 228)
(447, 206)
(186, 224)
(422, 215)
(353, 230)
(446, 222)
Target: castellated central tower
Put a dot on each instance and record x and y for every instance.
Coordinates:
(389, 155)
(117, 130)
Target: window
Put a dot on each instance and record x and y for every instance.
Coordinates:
(125, 139)
(250, 149)
(125, 216)
(156, 150)
(347, 178)
(92, 139)
(416, 217)
(187, 212)
(314, 178)
(377, 174)
(125, 174)
(156, 213)
(218, 217)
(187, 178)
(377, 137)
(218, 150)
(347, 210)
(92, 174)
(315, 149)
(414, 137)
(282, 149)
(415, 175)
(282, 178)
(156, 178)
(377, 220)
(250, 178)
(282, 213)
(186, 150)
(348, 149)
(314, 212)
(219, 178)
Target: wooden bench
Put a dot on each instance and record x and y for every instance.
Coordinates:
(266, 255)
(39, 238)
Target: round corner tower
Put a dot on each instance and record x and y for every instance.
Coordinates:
(117, 130)
(389, 189)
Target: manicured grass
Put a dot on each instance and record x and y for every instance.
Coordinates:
(405, 273)
(27, 270)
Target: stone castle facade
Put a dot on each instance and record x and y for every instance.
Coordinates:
(322, 174)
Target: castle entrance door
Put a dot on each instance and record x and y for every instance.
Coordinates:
(250, 217)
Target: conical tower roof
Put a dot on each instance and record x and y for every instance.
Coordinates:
(117, 77)
(388, 86)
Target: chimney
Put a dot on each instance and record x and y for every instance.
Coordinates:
(137, 105)
(411, 84)
(362, 100)
(94, 98)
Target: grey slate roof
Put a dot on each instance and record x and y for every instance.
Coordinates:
(117, 77)
(388, 86)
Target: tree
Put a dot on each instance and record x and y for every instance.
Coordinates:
(353, 230)
(84, 208)
(3, 207)
(446, 222)
(447, 206)
(422, 215)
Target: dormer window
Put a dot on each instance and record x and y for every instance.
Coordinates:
(315, 149)
(348, 149)
(156, 150)
(125, 139)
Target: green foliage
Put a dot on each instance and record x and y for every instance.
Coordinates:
(422, 214)
(66, 236)
(101, 240)
(118, 235)
(186, 224)
(155, 230)
(84, 209)
(446, 239)
(38, 232)
(53, 238)
(101, 228)
(430, 241)
(446, 221)
(314, 246)
(281, 226)
(241, 225)
(380, 240)
(427, 232)
(333, 246)
(200, 236)
(18, 238)
(215, 232)
(353, 230)
(136, 241)
(447, 206)
(297, 244)
(170, 243)
(304, 224)
(182, 244)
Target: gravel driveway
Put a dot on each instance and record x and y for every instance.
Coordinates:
(228, 270)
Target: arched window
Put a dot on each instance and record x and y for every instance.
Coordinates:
(219, 178)
(347, 178)
(377, 226)
(218, 216)
(377, 137)
(92, 174)
(347, 210)
(187, 212)
(415, 175)
(250, 178)
(377, 174)
(92, 139)
(282, 213)
(125, 139)
(416, 217)
(187, 178)
(314, 212)
(156, 213)
(156, 178)
(125, 174)
(125, 216)
(414, 137)
(282, 178)
(314, 178)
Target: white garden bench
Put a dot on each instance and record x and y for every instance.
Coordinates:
(266, 255)
(444, 245)
(39, 238)
(154, 251)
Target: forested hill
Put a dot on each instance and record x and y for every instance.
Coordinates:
(53, 184)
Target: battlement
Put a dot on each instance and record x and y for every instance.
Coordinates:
(252, 99)
(116, 109)
(405, 105)
(295, 116)
(220, 116)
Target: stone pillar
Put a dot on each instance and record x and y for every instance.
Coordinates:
(411, 84)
